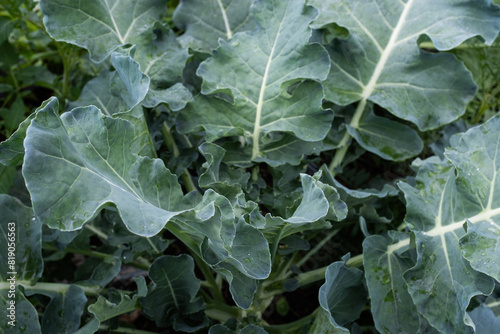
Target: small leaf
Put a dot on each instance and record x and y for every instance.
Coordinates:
(175, 287)
(20, 231)
(343, 294)
(20, 317)
(388, 139)
(391, 304)
(63, 313)
(484, 320)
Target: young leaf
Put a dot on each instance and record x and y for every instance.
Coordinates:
(63, 313)
(205, 21)
(267, 60)
(342, 296)
(162, 59)
(175, 287)
(119, 94)
(12, 150)
(26, 316)
(388, 139)
(484, 320)
(391, 304)
(381, 62)
(21, 231)
(104, 310)
(100, 26)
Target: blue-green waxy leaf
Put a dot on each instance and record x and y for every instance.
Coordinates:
(452, 207)
(205, 21)
(21, 232)
(342, 296)
(119, 94)
(476, 157)
(175, 287)
(388, 139)
(249, 329)
(103, 309)
(63, 313)
(256, 68)
(25, 319)
(91, 153)
(218, 176)
(12, 150)
(380, 60)
(391, 305)
(100, 26)
(162, 59)
(8, 175)
(484, 319)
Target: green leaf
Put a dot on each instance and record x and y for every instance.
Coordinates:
(98, 272)
(118, 94)
(103, 309)
(175, 287)
(388, 139)
(7, 177)
(277, 149)
(391, 304)
(225, 180)
(260, 102)
(100, 26)
(343, 294)
(134, 84)
(63, 313)
(25, 319)
(22, 234)
(94, 152)
(162, 59)
(448, 197)
(6, 27)
(14, 116)
(475, 155)
(484, 320)
(322, 324)
(249, 329)
(12, 150)
(381, 62)
(205, 21)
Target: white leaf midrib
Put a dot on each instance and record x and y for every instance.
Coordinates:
(229, 33)
(260, 103)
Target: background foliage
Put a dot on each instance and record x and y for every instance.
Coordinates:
(260, 166)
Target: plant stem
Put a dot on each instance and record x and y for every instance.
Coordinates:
(214, 288)
(191, 244)
(344, 143)
(291, 327)
(170, 142)
(123, 330)
(274, 247)
(66, 70)
(102, 256)
(222, 312)
(52, 287)
(310, 276)
(317, 247)
(96, 231)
